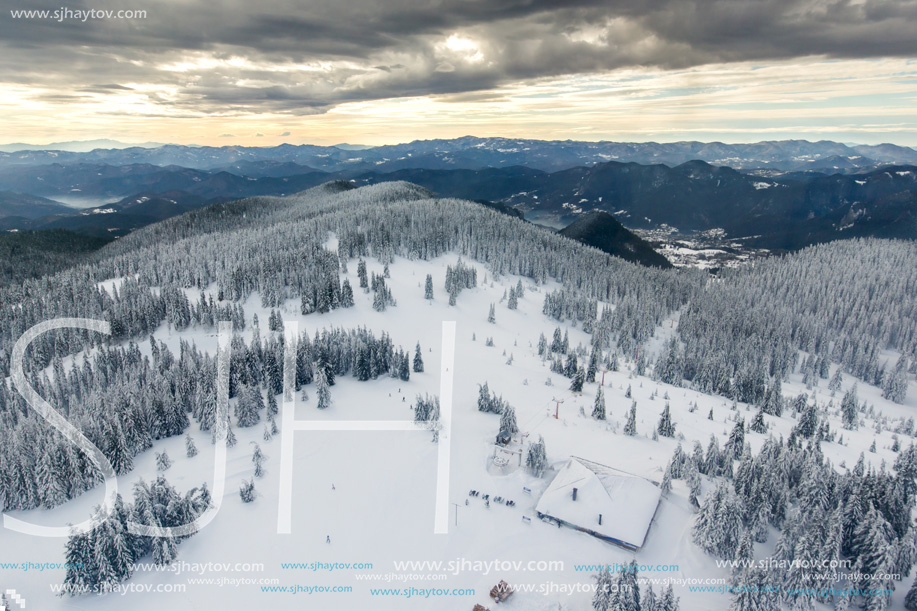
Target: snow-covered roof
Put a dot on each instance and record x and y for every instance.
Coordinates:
(626, 502)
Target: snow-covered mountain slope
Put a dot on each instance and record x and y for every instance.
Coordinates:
(371, 493)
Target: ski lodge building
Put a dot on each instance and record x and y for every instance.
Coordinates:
(606, 503)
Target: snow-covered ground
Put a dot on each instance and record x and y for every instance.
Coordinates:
(372, 493)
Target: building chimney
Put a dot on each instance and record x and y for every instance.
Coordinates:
(574, 494)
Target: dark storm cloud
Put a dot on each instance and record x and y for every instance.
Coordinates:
(296, 57)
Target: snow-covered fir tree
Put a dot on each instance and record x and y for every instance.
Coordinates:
(630, 427)
(257, 460)
(598, 407)
(579, 377)
(508, 424)
(718, 526)
(536, 458)
(849, 409)
(163, 462)
(248, 406)
(190, 447)
(322, 389)
(666, 427)
(426, 408)
(247, 491)
(894, 386)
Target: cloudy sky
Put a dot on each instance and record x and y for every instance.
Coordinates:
(385, 71)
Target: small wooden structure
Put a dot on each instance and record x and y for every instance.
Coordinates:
(501, 592)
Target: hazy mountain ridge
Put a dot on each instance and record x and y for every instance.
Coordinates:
(782, 211)
(28, 206)
(798, 193)
(474, 153)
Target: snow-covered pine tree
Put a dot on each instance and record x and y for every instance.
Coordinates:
(625, 592)
(570, 366)
(361, 274)
(491, 315)
(640, 364)
(163, 462)
(773, 399)
(249, 406)
(666, 485)
(536, 459)
(718, 526)
(118, 452)
(322, 390)
(758, 425)
(604, 582)
(849, 413)
(80, 561)
(426, 409)
(247, 491)
(272, 408)
(666, 428)
(275, 321)
(668, 601)
(404, 367)
(593, 365)
(598, 408)
(630, 427)
(753, 591)
(346, 294)
(512, 302)
(576, 384)
(613, 364)
(190, 448)
(557, 343)
(258, 460)
(648, 603)
(894, 387)
(834, 384)
(808, 421)
(736, 443)
(418, 359)
(508, 421)
(484, 399)
(694, 485)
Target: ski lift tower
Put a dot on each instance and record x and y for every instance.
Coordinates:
(557, 403)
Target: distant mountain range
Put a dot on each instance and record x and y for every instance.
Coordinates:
(476, 153)
(768, 207)
(75, 146)
(781, 213)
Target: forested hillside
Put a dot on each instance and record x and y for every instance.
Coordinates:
(783, 391)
